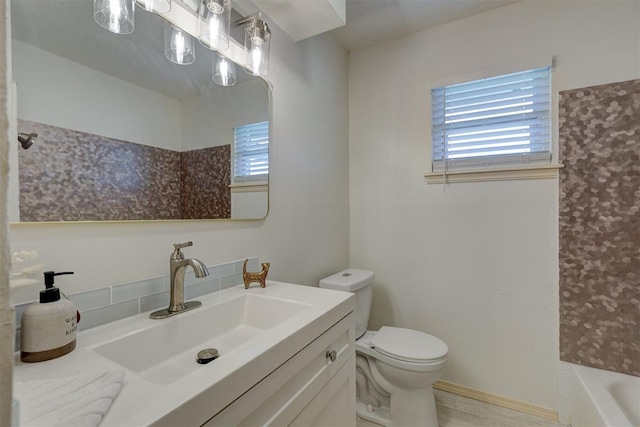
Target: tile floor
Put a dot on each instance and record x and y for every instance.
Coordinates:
(458, 411)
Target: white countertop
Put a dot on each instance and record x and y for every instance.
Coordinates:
(196, 397)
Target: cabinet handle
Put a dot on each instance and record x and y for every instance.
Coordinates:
(331, 355)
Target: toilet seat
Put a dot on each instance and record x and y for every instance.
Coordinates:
(365, 346)
(408, 345)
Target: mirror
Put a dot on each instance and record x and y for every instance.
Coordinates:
(123, 133)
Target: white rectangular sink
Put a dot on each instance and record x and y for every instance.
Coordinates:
(167, 351)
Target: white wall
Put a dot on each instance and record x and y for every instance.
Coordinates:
(249, 204)
(305, 236)
(475, 263)
(13, 192)
(208, 120)
(6, 310)
(59, 92)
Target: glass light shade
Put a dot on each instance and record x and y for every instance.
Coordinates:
(179, 46)
(224, 71)
(256, 45)
(214, 23)
(156, 6)
(116, 16)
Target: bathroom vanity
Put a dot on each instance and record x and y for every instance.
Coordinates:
(286, 358)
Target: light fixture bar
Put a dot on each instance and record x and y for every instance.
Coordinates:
(248, 18)
(186, 18)
(155, 6)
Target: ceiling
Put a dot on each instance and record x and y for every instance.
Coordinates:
(374, 21)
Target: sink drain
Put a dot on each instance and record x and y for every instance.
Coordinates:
(207, 355)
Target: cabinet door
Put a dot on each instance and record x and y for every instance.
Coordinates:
(283, 394)
(335, 404)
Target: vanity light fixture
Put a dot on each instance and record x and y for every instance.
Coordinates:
(224, 71)
(256, 45)
(214, 21)
(179, 46)
(117, 16)
(155, 6)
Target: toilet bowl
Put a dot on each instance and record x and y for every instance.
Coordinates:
(395, 367)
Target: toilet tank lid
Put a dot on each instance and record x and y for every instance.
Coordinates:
(349, 280)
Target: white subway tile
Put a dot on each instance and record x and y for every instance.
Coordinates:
(89, 300)
(133, 290)
(100, 316)
(202, 288)
(154, 302)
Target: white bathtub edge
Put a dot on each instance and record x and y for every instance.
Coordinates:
(585, 399)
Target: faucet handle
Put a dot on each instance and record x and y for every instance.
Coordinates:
(179, 246)
(177, 255)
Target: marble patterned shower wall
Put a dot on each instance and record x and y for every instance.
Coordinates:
(599, 144)
(76, 176)
(206, 175)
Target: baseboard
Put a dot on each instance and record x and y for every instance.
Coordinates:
(497, 400)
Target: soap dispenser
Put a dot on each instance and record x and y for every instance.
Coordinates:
(48, 328)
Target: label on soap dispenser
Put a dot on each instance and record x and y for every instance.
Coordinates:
(72, 326)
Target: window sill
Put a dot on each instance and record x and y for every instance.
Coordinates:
(495, 174)
(249, 187)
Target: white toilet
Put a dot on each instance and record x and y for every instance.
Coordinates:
(395, 367)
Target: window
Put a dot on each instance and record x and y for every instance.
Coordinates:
(492, 122)
(251, 152)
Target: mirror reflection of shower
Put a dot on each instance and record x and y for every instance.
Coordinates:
(26, 140)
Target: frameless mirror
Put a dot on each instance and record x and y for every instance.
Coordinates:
(122, 132)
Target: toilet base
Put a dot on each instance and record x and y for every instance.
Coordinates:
(413, 408)
(379, 415)
(410, 408)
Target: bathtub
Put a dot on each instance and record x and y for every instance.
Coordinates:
(593, 397)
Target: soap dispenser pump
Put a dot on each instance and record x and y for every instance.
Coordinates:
(48, 327)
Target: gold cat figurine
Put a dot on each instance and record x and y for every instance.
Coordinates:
(250, 277)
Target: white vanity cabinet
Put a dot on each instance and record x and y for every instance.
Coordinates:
(306, 390)
(273, 367)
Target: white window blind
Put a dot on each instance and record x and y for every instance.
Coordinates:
(251, 152)
(502, 120)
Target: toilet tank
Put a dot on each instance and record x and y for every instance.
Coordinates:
(360, 282)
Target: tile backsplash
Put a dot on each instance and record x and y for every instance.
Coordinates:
(104, 305)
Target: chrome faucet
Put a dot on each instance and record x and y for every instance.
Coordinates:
(177, 268)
